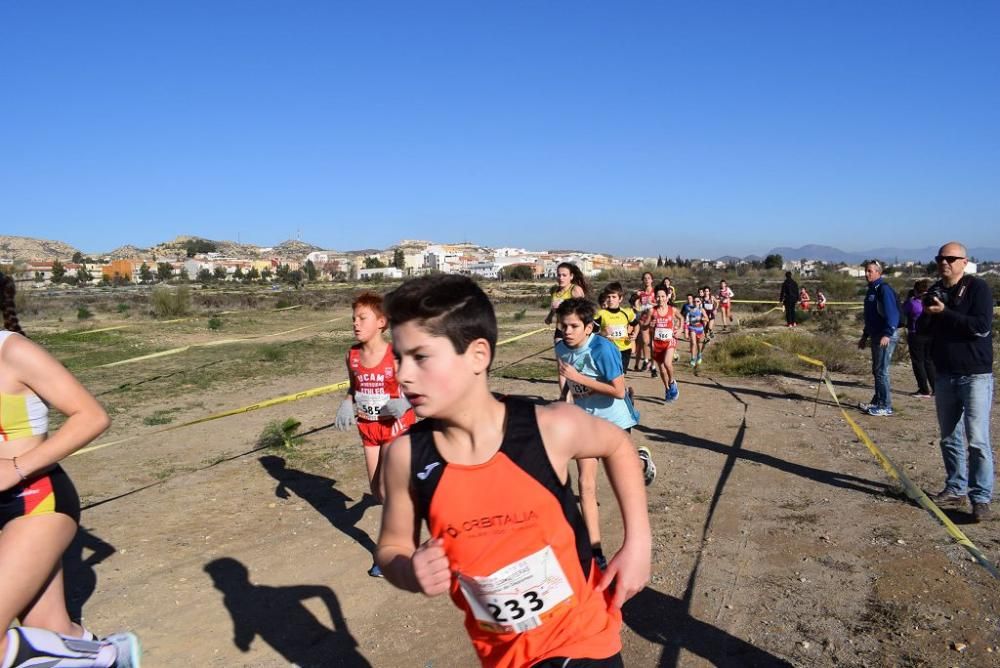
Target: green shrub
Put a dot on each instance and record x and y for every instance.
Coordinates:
(84, 313)
(123, 307)
(280, 434)
(744, 355)
(171, 302)
(157, 418)
(519, 315)
(272, 352)
(215, 323)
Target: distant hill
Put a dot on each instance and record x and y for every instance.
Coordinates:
(293, 248)
(27, 248)
(888, 254)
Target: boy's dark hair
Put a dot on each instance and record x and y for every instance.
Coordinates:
(615, 287)
(584, 309)
(445, 305)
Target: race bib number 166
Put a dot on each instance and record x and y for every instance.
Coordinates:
(517, 597)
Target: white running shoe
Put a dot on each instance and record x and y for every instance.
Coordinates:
(128, 648)
(648, 467)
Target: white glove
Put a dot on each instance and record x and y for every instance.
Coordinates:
(345, 415)
(395, 407)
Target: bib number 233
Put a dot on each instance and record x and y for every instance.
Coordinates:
(517, 597)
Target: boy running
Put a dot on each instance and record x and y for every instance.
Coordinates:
(591, 367)
(491, 480)
(664, 325)
(617, 324)
(374, 400)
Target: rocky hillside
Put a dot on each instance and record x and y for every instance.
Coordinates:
(295, 249)
(28, 248)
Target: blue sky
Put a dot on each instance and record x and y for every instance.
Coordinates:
(692, 128)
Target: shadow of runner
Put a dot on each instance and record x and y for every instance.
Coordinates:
(832, 478)
(321, 493)
(277, 615)
(81, 578)
(665, 620)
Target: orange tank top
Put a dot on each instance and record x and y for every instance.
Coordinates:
(522, 567)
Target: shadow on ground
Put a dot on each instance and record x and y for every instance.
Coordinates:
(277, 615)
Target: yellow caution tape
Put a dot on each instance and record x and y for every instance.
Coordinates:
(522, 336)
(165, 322)
(210, 344)
(304, 394)
(774, 301)
(913, 492)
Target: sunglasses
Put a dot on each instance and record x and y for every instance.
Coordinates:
(947, 258)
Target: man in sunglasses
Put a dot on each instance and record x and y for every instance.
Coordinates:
(881, 323)
(958, 316)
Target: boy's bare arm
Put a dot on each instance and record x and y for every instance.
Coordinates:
(422, 569)
(570, 433)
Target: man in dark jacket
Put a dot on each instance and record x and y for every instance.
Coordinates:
(789, 296)
(881, 328)
(959, 319)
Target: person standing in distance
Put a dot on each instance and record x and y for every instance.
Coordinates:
(789, 297)
(881, 329)
(958, 317)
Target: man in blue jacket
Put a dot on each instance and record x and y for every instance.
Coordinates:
(881, 328)
(958, 316)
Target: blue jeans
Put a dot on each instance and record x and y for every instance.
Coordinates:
(963, 411)
(881, 359)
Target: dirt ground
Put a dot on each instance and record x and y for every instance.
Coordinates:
(777, 539)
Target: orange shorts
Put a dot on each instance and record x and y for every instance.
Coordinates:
(661, 351)
(376, 433)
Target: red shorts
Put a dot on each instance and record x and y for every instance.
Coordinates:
(661, 350)
(724, 306)
(376, 433)
(805, 306)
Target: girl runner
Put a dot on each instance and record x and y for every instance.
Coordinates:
(804, 298)
(39, 507)
(696, 322)
(685, 309)
(820, 300)
(570, 284)
(664, 325)
(726, 295)
(374, 401)
(709, 302)
(671, 291)
(647, 299)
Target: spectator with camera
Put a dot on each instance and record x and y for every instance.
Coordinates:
(958, 317)
(918, 343)
(881, 323)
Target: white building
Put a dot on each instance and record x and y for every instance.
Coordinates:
(383, 273)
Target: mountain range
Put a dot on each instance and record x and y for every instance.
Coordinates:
(890, 254)
(27, 248)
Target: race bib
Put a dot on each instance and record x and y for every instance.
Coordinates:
(518, 597)
(663, 334)
(369, 405)
(617, 331)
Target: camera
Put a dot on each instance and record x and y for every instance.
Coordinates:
(935, 292)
